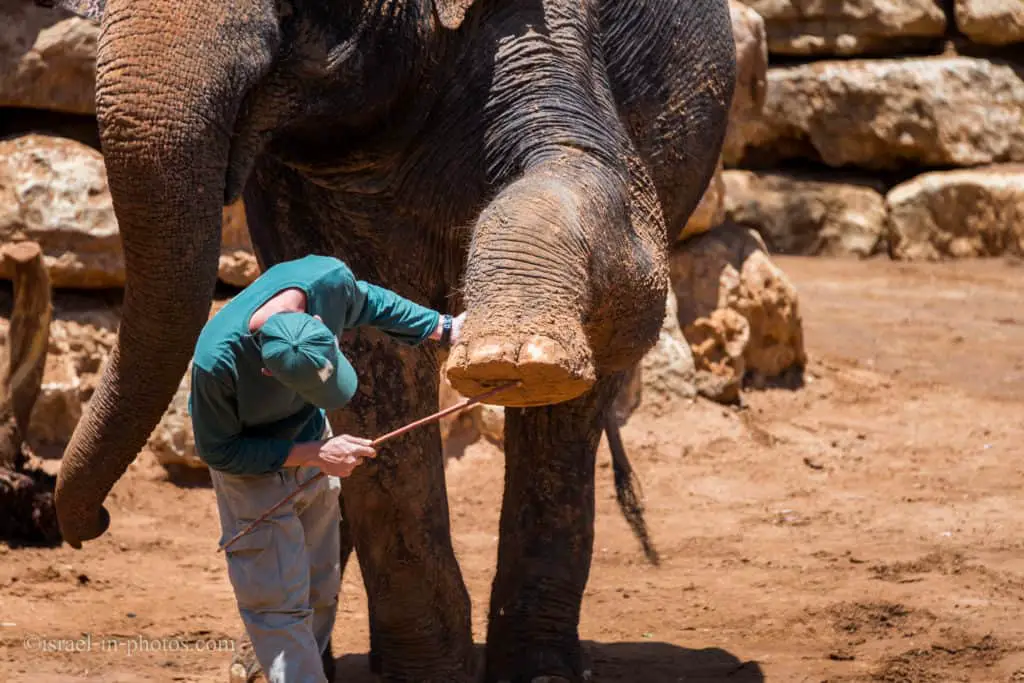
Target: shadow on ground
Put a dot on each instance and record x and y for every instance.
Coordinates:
(651, 662)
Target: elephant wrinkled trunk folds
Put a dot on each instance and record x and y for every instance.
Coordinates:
(166, 141)
(560, 282)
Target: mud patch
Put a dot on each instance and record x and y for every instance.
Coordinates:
(943, 562)
(955, 657)
(878, 619)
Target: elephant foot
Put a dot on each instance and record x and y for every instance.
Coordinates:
(554, 679)
(536, 664)
(548, 371)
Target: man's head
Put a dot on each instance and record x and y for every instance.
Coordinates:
(303, 354)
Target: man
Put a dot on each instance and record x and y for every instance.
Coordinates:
(265, 370)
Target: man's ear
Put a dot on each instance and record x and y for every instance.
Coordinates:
(451, 12)
(87, 9)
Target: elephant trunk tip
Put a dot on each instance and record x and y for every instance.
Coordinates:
(75, 529)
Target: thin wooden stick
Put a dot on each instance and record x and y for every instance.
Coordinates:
(376, 442)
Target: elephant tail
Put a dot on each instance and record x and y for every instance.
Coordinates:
(627, 489)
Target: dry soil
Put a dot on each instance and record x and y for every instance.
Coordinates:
(866, 527)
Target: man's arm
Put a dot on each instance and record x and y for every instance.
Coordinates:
(400, 318)
(221, 446)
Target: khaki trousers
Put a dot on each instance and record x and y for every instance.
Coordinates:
(285, 573)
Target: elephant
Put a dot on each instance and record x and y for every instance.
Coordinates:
(528, 162)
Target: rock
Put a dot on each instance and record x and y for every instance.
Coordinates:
(668, 371)
(77, 354)
(491, 423)
(172, 441)
(47, 59)
(738, 311)
(238, 265)
(991, 22)
(748, 31)
(958, 214)
(711, 209)
(54, 191)
(797, 214)
(812, 27)
(889, 114)
(718, 342)
(469, 426)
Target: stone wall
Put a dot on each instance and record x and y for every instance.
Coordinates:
(53, 191)
(889, 128)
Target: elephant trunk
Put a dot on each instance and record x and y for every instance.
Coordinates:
(560, 285)
(169, 82)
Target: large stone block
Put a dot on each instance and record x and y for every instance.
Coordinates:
(79, 348)
(852, 27)
(798, 214)
(711, 209)
(238, 265)
(991, 22)
(748, 31)
(958, 214)
(54, 191)
(890, 114)
(47, 59)
(738, 311)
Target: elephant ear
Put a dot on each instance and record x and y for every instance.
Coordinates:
(87, 9)
(451, 12)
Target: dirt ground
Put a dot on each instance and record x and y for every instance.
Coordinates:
(862, 528)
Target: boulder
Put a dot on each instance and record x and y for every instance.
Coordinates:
(797, 214)
(748, 31)
(47, 59)
(738, 311)
(78, 351)
(172, 442)
(469, 426)
(853, 27)
(54, 191)
(991, 22)
(238, 265)
(890, 114)
(958, 214)
(667, 371)
(711, 209)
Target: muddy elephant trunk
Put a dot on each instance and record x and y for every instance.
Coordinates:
(564, 283)
(169, 82)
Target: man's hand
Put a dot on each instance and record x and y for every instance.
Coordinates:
(340, 455)
(456, 328)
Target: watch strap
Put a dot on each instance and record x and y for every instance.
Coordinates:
(446, 330)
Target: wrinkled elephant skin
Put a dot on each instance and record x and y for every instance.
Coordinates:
(524, 161)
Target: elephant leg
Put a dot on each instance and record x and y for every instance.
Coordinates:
(546, 538)
(397, 509)
(347, 546)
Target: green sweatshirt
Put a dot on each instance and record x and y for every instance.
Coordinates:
(245, 422)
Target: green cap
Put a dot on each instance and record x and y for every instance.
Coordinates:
(303, 354)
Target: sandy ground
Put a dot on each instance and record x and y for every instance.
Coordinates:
(863, 528)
